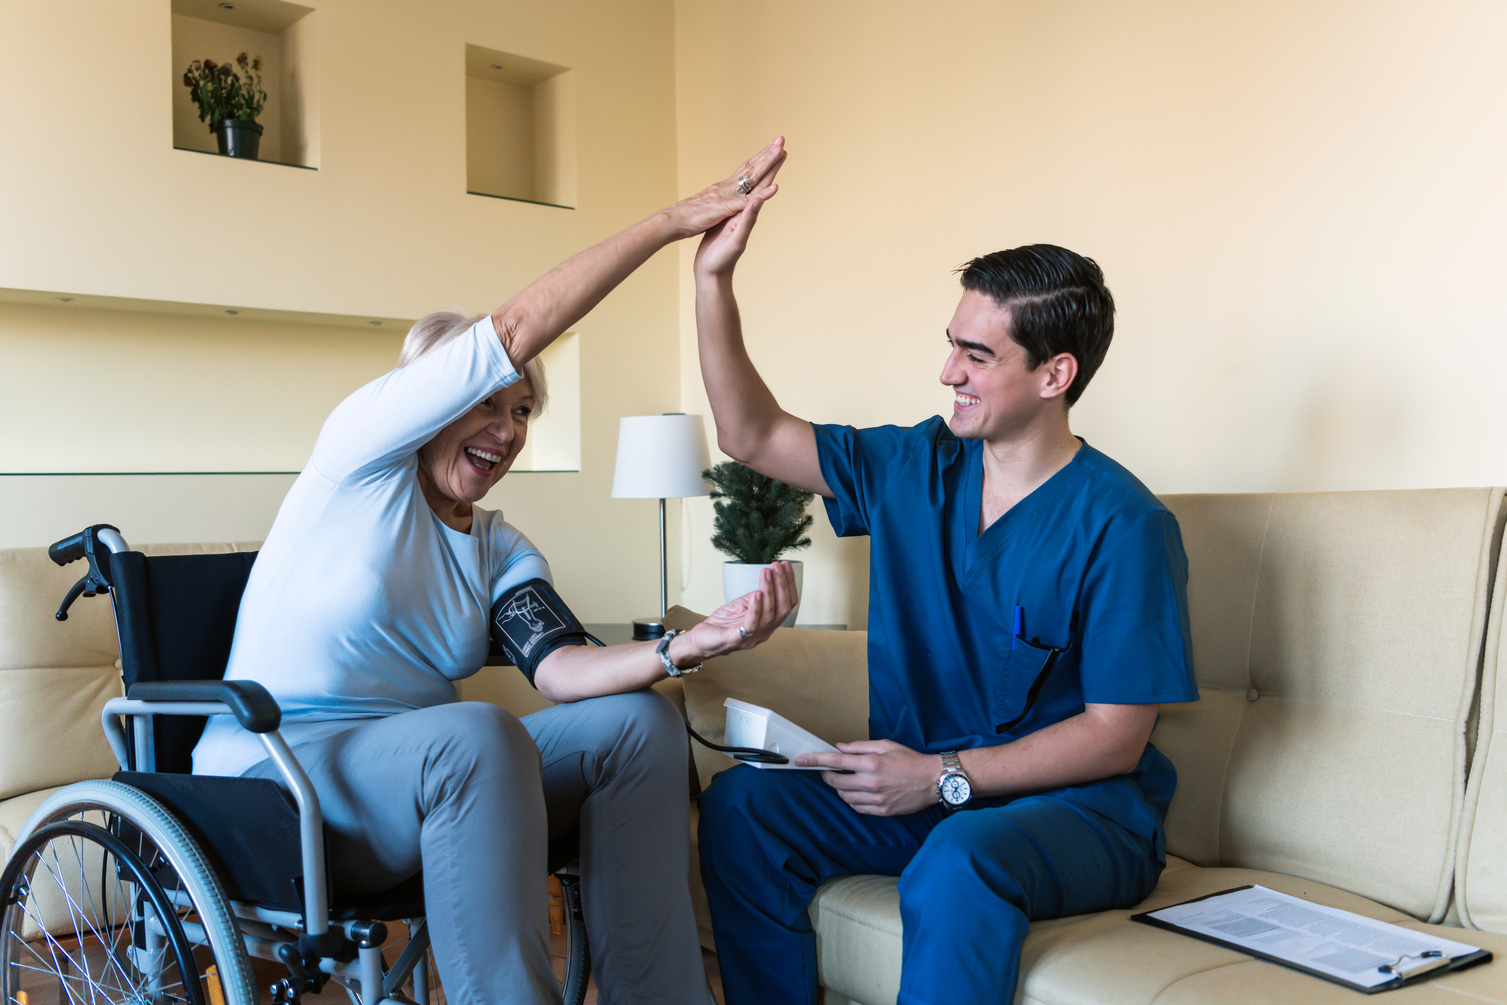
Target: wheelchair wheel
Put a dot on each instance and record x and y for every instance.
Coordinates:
(577, 953)
(108, 899)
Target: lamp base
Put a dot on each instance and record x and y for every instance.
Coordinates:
(648, 628)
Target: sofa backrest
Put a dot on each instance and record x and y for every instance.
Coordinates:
(1337, 639)
(55, 677)
(1481, 871)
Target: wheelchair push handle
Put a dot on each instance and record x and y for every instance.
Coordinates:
(69, 549)
(82, 544)
(85, 544)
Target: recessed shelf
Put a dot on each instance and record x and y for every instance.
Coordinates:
(282, 34)
(520, 128)
(259, 160)
(514, 198)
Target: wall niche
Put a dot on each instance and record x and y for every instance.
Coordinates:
(520, 128)
(282, 34)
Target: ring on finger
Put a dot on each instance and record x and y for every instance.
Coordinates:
(742, 632)
(745, 186)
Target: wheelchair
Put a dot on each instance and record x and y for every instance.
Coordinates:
(159, 886)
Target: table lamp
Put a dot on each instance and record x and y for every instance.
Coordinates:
(660, 457)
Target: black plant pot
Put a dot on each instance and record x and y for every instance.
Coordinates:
(238, 137)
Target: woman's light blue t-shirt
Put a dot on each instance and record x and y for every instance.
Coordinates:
(362, 603)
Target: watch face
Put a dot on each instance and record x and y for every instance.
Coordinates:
(955, 790)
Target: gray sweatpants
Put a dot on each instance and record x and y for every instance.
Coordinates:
(471, 793)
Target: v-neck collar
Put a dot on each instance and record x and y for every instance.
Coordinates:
(980, 543)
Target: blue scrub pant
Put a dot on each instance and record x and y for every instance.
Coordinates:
(970, 882)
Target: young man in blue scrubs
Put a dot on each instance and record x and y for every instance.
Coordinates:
(1027, 616)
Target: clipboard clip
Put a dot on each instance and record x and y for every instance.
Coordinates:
(1413, 964)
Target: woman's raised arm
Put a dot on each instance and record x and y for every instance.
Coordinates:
(539, 314)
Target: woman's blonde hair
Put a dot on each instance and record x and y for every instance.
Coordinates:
(433, 330)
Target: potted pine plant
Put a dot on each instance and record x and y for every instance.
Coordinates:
(229, 99)
(756, 520)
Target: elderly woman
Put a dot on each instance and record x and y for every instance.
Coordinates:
(371, 597)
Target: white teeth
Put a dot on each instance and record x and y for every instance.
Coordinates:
(484, 455)
(965, 399)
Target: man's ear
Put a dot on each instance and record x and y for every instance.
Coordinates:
(1057, 374)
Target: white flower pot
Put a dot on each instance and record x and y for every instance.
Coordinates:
(739, 578)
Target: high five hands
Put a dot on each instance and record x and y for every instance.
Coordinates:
(724, 243)
(751, 185)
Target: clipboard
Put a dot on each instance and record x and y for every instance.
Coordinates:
(1325, 942)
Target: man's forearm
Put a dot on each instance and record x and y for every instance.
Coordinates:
(1100, 742)
(742, 405)
(751, 425)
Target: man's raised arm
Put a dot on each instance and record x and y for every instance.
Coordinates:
(751, 425)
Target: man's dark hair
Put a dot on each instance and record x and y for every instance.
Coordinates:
(1057, 300)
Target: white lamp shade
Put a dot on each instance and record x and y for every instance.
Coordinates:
(660, 457)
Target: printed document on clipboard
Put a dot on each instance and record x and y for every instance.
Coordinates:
(756, 727)
(1350, 949)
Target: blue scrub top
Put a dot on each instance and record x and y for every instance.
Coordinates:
(1078, 593)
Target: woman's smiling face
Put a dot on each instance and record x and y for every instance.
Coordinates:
(466, 458)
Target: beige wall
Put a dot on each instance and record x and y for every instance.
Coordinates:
(95, 202)
(1299, 207)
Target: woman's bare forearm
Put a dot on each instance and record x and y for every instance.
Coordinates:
(572, 673)
(542, 312)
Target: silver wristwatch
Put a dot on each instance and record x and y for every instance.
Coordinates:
(953, 788)
(663, 652)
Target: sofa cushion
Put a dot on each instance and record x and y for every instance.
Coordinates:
(818, 679)
(1336, 641)
(53, 727)
(1095, 958)
(16, 811)
(55, 677)
(1481, 873)
(31, 587)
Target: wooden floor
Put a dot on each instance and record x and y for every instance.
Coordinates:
(335, 996)
(39, 991)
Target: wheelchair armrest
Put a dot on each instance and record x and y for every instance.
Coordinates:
(254, 708)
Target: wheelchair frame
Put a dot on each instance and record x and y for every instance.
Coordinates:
(314, 947)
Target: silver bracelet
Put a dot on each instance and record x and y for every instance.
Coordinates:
(663, 652)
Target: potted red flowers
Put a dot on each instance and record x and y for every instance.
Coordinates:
(229, 99)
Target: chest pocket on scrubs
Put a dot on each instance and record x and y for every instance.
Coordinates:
(1028, 664)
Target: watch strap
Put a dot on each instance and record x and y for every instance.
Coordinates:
(663, 652)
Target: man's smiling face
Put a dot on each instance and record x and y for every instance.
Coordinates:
(996, 394)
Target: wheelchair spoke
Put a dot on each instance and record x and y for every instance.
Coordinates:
(100, 959)
(111, 902)
(58, 971)
(76, 913)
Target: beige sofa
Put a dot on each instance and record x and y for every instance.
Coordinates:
(1348, 649)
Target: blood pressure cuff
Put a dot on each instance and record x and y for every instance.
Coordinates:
(530, 621)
